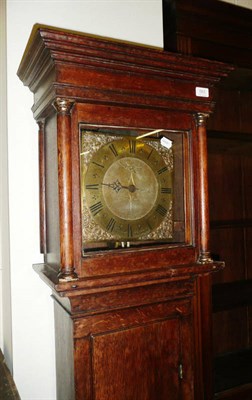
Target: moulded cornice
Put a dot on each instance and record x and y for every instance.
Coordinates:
(64, 63)
(77, 48)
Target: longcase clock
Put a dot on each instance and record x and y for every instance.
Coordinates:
(123, 212)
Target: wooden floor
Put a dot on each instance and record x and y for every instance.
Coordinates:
(8, 389)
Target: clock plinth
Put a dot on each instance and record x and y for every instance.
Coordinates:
(123, 212)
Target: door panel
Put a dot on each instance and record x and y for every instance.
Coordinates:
(119, 375)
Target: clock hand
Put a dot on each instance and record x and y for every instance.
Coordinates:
(117, 186)
(131, 188)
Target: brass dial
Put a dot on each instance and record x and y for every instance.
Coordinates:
(127, 188)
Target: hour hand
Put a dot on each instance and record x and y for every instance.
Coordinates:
(116, 186)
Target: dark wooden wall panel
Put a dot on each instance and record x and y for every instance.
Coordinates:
(232, 111)
(249, 309)
(208, 28)
(230, 330)
(226, 115)
(245, 107)
(230, 188)
(215, 29)
(228, 244)
(225, 186)
(247, 179)
(248, 233)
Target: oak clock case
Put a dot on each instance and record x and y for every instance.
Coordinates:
(127, 186)
(123, 218)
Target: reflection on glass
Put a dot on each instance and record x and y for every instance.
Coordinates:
(132, 187)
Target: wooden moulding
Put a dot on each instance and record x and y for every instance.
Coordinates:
(106, 283)
(84, 67)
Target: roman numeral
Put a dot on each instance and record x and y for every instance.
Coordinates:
(149, 226)
(166, 190)
(111, 224)
(113, 149)
(149, 155)
(129, 231)
(161, 170)
(161, 210)
(92, 187)
(98, 165)
(132, 146)
(96, 208)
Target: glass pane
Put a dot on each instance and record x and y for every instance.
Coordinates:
(132, 187)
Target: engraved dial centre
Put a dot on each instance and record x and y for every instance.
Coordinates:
(134, 193)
